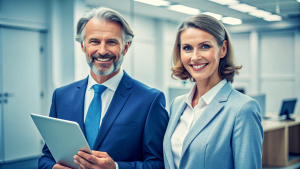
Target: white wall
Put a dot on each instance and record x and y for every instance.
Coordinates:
(81, 69)
(276, 62)
(297, 68)
(61, 41)
(278, 68)
(268, 59)
(145, 48)
(241, 45)
(22, 15)
(31, 14)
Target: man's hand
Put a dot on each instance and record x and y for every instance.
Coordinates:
(58, 166)
(97, 160)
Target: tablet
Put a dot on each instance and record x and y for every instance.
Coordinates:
(63, 138)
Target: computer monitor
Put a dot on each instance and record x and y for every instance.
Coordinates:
(261, 99)
(174, 92)
(242, 90)
(287, 108)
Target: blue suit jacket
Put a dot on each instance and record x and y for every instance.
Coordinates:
(227, 135)
(132, 130)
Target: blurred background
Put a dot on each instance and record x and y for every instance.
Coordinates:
(38, 53)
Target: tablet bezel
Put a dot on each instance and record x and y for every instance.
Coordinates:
(64, 138)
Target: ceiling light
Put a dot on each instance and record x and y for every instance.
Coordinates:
(273, 18)
(260, 13)
(154, 2)
(298, 0)
(232, 21)
(225, 2)
(217, 16)
(184, 9)
(242, 7)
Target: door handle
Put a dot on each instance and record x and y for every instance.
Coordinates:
(4, 101)
(7, 94)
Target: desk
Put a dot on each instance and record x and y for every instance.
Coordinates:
(281, 138)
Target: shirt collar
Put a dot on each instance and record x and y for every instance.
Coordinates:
(190, 95)
(208, 96)
(111, 83)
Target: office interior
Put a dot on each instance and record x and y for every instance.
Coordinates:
(38, 53)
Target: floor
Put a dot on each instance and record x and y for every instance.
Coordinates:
(26, 164)
(293, 166)
(32, 164)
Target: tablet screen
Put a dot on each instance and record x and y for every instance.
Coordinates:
(63, 138)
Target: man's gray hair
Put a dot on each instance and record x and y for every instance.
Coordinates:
(108, 15)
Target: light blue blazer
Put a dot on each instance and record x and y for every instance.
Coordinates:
(227, 135)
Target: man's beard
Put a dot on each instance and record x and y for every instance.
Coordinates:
(105, 69)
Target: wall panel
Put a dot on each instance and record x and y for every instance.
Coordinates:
(241, 47)
(277, 53)
(276, 91)
(277, 67)
(34, 11)
(144, 62)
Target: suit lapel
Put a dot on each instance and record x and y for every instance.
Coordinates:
(118, 101)
(210, 112)
(78, 109)
(175, 116)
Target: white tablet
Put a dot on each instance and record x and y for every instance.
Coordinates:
(63, 138)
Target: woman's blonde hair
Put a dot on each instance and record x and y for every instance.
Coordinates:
(209, 24)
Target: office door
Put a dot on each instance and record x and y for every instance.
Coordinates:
(21, 95)
(1, 114)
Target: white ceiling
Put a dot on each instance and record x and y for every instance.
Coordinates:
(289, 10)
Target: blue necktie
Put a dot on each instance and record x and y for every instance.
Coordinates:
(92, 119)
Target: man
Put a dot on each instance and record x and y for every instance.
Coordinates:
(129, 132)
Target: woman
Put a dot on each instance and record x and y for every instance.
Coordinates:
(213, 126)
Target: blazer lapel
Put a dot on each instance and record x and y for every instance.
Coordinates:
(210, 112)
(175, 116)
(78, 109)
(118, 101)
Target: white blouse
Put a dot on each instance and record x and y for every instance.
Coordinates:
(189, 116)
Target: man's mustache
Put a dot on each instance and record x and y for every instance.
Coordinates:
(106, 56)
